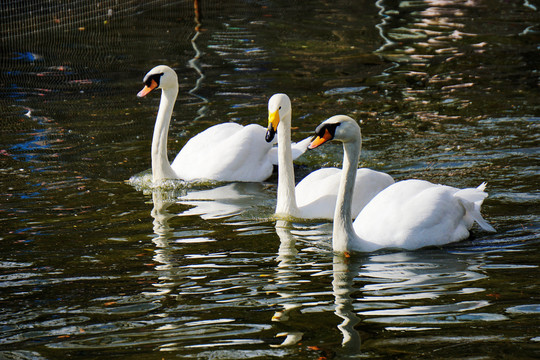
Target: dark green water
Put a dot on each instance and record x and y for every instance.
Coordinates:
(93, 268)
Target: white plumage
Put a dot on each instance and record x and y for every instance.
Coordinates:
(409, 214)
(224, 152)
(315, 196)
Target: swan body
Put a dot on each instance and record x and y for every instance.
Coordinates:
(315, 196)
(409, 214)
(316, 204)
(414, 213)
(224, 152)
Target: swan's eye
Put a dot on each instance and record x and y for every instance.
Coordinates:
(155, 77)
(324, 127)
(279, 108)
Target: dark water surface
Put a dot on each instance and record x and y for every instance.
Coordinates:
(95, 268)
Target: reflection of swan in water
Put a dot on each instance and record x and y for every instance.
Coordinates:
(382, 288)
(344, 271)
(411, 276)
(388, 293)
(161, 217)
(285, 270)
(224, 201)
(392, 285)
(227, 200)
(162, 201)
(285, 277)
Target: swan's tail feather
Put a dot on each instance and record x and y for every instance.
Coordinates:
(482, 222)
(471, 199)
(472, 195)
(482, 186)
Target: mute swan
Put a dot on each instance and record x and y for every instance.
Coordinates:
(315, 196)
(224, 152)
(409, 214)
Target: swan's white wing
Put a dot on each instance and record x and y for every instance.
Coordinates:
(412, 214)
(316, 194)
(399, 215)
(226, 152)
(191, 162)
(368, 184)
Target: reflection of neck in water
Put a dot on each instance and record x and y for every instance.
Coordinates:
(161, 216)
(344, 272)
(287, 243)
(342, 285)
(285, 269)
(285, 277)
(162, 200)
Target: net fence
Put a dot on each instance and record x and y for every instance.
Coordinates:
(20, 18)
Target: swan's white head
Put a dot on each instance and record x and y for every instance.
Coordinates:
(339, 127)
(279, 109)
(160, 77)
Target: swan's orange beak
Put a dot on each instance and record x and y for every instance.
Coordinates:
(320, 140)
(147, 89)
(273, 121)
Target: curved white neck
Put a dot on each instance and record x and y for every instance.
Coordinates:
(343, 231)
(286, 196)
(161, 168)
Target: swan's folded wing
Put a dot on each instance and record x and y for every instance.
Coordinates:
(318, 183)
(367, 185)
(192, 162)
(319, 190)
(412, 214)
(225, 152)
(316, 194)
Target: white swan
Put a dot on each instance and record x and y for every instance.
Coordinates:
(224, 152)
(315, 196)
(409, 214)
